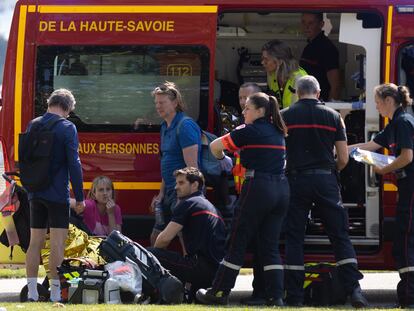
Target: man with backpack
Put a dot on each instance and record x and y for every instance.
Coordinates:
(48, 156)
(180, 147)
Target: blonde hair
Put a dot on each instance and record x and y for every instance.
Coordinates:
(96, 182)
(288, 64)
(173, 93)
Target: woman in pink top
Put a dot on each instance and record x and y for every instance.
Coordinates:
(101, 214)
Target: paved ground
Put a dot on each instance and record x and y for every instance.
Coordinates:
(379, 288)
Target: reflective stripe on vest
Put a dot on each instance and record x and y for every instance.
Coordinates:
(288, 97)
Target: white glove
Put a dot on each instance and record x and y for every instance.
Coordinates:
(226, 164)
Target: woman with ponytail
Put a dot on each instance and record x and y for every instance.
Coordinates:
(398, 136)
(263, 201)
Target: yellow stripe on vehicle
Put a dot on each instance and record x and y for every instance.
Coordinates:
(18, 89)
(96, 9)
(387, 63)
(389, 24)
(119, 185)
(390, 187)
(387, 73)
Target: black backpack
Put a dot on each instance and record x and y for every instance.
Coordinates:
(35, 147)
(322, 285)
(158, 283)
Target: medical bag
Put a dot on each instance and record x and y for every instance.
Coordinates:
(157, 281)
(322, 285)
(90, 288)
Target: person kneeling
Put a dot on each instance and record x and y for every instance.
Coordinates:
(202, 229)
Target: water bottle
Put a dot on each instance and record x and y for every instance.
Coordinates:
(159, 214)
(111, 291)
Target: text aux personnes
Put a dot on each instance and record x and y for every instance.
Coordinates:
(119, 148)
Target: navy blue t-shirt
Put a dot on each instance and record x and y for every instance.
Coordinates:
(172, 146)
(398, 134)
(262, 146)
(65, 163)
(203, 227)
(319, 57)
(313, 130)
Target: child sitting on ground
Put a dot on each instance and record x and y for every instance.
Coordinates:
(101, 214)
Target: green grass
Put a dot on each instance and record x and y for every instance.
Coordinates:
(102, 307)
(18, 273)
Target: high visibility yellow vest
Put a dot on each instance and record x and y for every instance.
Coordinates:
(288, 94)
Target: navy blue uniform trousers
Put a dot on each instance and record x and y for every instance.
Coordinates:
(403, 247)
(260, 211)
(323, 190)
(197, 270)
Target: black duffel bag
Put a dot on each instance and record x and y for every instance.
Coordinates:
(168, 288)
(322, 285)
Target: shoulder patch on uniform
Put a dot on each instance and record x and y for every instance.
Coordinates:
(241, 126)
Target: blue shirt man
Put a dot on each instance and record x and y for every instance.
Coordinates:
(179, 148)
(178, 136)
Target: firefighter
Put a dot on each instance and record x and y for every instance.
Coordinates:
(282, 71)
(257, 298)
(263, 201)
(203, 232)
(245, 90)
(398, 136)
(313, 132)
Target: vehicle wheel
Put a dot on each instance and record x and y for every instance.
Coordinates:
(43, 293)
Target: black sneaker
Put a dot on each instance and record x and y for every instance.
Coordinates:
(254, 300)
(275, 302)
(296, 304)
(212, 297)
(357, 299)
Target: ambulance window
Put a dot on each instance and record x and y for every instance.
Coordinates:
(112, 84)
(406, 67)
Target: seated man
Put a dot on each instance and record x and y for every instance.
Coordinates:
(203, 233)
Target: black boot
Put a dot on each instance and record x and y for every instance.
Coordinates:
(357, 299)
(212, 297)
(255, 299)
(276, 302)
